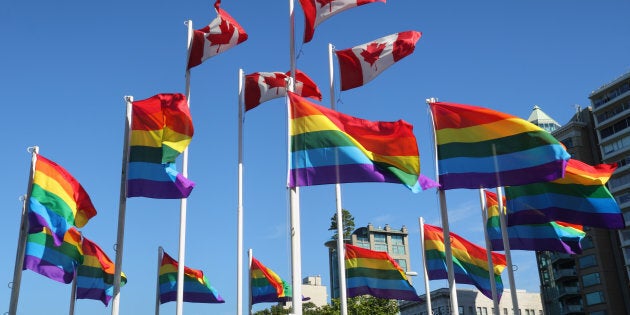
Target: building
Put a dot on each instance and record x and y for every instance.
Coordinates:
(385, 239)
(588, 283)
(312, 287)
(611, 111)
(542, 120)
(472, 302)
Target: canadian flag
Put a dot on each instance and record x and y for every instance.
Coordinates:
(317, 11)
(359, 65)
(263, 86)
(220, 35)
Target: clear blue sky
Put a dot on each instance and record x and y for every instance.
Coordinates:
(66, 66)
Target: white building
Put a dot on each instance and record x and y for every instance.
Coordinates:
(473, 302)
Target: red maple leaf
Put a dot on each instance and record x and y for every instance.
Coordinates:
(323, 3)
(372, 52)
(227, 30)
(276, 81)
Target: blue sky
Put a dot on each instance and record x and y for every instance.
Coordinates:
(67, 65)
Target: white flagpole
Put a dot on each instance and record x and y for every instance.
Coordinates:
(445, 229)
(22, 234)
(424, 266)
(294, 192)
(506, 248)
(183, 201)
(122, 206)
(484, 218)
(239, 207)
(157, 283)
(341, 262)
(73, 293)
(250, 255)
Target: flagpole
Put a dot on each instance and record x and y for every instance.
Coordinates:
(484, 218)
(250, 255)
(341, 262)
(184, 201)
(506, 248)
(424, 266)
(294, 192)
(445, 229)
(157, 283)
(122, 206)
(239, 207)
(22, 234)
(73, 293)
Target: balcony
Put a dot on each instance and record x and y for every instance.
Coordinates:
(571, 309)
(564, 273)
(568, 291)
(560, 256)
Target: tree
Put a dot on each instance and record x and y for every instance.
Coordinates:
(347, 223)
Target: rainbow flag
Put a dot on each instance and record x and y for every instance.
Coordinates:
(482, 148)
(581, 197)
(95, 276)
(266, 285)
(328, 147)
(470, 261)
(554, 236)
(161, 129)
(377, 274)
(57, 200)
(57, 262)
(197, 288)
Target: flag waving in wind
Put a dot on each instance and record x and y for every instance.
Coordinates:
(359, 65)
(57, 200)
(55, 261)
(317, 11)
(197, 288)
(482, 148)
(328, 147)
(552, 236)
(220, 35)
(470, 261)
(95, 276)
(263, 86)
(266, 285)
(161, 129)
(581, 197)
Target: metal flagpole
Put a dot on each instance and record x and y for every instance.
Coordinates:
(239, 207)
(424, 266)
(73, 293)
(184, 201)
(157, 283)
(122, 206)
(445, 229)
(294, 192)
(506, 248)
(22, 234)
(250, 256)
(341, 262)
(484, 218)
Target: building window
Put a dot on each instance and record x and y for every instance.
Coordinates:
(595, 298)
(615, 145)
(363, 241)
(398, 246)
(380, 242)
(590, 279)
(587, 242)
(587, 261)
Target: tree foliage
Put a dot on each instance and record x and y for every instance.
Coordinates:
(347, 222)
(359, 305)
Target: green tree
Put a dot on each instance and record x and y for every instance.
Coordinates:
(347, 222)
